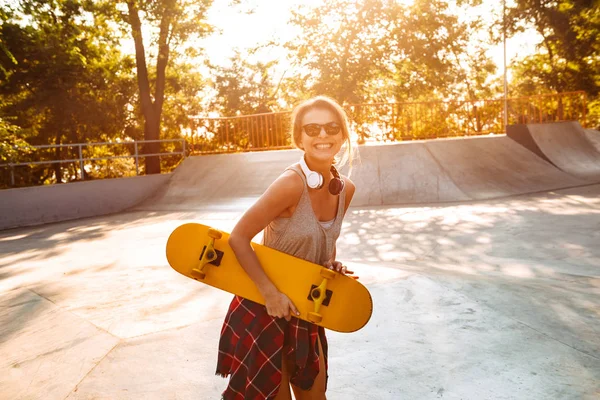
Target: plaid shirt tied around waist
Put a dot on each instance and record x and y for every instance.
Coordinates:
(251, 351)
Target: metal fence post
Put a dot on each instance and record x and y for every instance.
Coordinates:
(12, 167)
(82, 173)
(137, 164)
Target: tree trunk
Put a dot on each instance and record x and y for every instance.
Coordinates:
(152, 119)
(152, 132)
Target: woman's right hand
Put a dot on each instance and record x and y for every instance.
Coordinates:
(280, 306)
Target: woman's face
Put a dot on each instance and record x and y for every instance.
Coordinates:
(323, 146)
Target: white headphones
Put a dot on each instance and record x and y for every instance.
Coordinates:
(314, 180)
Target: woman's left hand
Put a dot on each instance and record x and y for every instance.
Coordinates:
(339, 267)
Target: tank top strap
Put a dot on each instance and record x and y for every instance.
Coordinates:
(296, 168)
(304, 207)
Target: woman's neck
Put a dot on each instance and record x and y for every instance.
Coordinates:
(322, 167)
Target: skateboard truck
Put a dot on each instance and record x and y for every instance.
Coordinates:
(209, 254)
(320, 295)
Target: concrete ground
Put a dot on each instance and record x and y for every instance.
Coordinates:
(497, 299)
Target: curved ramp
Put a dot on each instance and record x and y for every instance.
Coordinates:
(594, 137)
(495, 166)
(401, 173)
(567, 146)
(392, 174)
(434, 171)
(222, 182)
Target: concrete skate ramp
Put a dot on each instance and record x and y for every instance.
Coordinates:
(401, 173)
(594, 137)
(490, 167)
(567, 146)
(223, 181)
(435, 171)
(392, 174)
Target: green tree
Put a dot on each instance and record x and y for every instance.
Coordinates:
(66, 81)
(342, 46)
(172, 23)
(244, 87)
(184, 91)
(569, 47)
(384, 50)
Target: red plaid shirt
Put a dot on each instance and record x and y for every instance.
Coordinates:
(252, 345)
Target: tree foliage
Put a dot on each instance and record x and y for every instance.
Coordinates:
(244, 87)
(174, 21)
(568, 57)
(569, 48)
(383, 50)
(65, 81)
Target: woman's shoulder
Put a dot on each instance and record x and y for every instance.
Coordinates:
(349, 185)
(349, 188)
(292, 178)
(288, 184)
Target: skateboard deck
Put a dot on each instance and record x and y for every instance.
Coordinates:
(322, 296)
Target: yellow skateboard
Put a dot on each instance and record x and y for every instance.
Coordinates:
(323, 297)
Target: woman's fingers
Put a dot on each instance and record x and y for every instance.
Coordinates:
(293, 308)
(342, 269)
(290, 310)
(282, 308)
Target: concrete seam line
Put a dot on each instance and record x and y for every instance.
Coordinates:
(93, 368)
(72, 313)
(439, 164)
(556, 340)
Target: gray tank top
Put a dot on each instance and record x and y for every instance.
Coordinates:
(301, 235)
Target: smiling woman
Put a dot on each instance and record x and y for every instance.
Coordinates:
(317, 123)
(267, 345)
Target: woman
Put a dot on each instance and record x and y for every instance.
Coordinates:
(264, 349)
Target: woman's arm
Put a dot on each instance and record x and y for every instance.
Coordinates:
(283, 194)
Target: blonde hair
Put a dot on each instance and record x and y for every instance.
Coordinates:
(326, 103)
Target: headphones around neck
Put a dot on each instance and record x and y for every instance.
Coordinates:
(315, 180)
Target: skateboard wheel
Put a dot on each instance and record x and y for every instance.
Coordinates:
(197, 274)
(327, 273)
(215, 234)
(315, 317)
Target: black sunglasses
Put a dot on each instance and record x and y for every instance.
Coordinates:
(313, 130)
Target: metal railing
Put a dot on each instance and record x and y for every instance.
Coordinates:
(390, 121)
(374, 122)
(268, 131)
(437, 119)
(81, 160)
